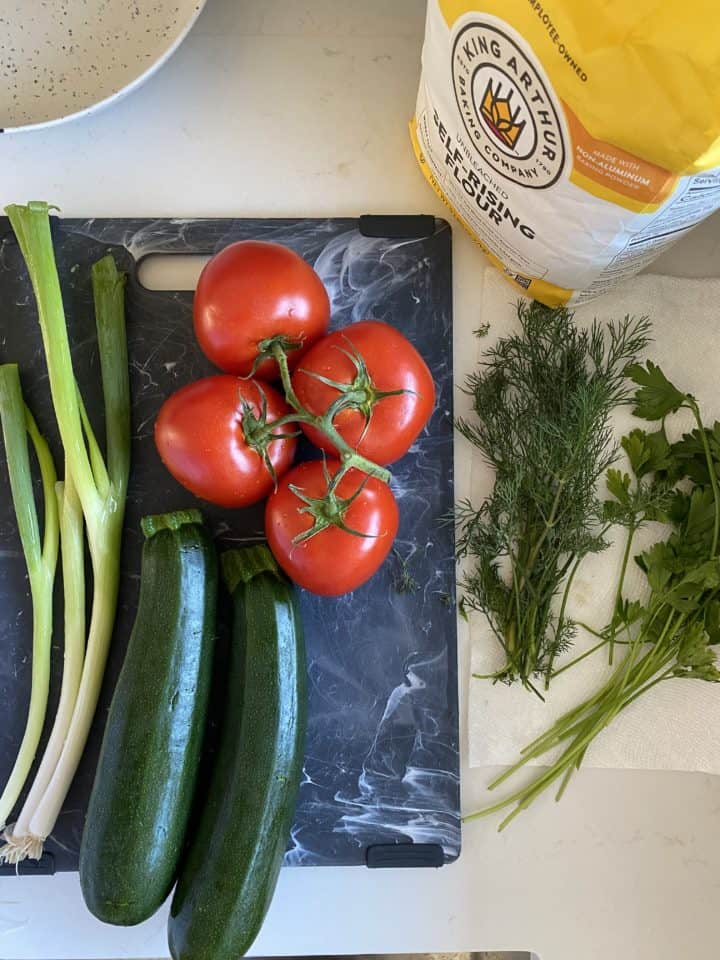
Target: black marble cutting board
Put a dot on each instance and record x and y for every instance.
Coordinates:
(382, 761)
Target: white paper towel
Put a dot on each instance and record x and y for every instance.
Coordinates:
(676, 725)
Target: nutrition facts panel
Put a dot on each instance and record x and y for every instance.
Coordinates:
(695, 199)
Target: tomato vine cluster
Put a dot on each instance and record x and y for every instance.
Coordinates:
(361, 395)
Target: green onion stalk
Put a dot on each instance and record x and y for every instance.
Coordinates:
(40, 558)
(72, 553)
(100, 486)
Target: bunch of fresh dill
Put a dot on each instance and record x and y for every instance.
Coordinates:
(542, 400)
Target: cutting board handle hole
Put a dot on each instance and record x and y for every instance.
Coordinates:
(170, 271)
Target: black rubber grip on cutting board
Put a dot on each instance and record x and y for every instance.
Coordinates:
(397, 227)
(405, 855)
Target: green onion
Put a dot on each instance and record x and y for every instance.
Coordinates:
(100, 484)
(40, 558)
(72, 551)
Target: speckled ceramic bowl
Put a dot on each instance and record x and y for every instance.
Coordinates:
(63, 58)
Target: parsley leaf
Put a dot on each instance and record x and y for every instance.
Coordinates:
(626, 613)
(618, 485)
(657, 564)
(657, 397)
(647, 452)
(712, 621)
(689, 453)
(694, 658)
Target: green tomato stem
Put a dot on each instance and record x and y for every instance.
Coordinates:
(349, 457)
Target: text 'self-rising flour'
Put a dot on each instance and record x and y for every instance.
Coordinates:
(574, 140)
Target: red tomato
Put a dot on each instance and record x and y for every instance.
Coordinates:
(251, 291)
(392, 363)
(200, 439)
(332, 561)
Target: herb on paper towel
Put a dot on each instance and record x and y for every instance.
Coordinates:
(542, 401)
(671, 634)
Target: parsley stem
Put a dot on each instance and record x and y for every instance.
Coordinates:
(566, 666)
(549, 673)
(632, 528)
(711, 470)
(609, 699)
(635, 680)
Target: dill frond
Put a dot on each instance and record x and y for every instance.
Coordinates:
(542, 401)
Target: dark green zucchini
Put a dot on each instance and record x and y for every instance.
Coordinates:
(228, 877)
(141, 799)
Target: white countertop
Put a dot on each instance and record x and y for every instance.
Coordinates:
(276, 107)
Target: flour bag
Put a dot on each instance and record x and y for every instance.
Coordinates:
(575, 140)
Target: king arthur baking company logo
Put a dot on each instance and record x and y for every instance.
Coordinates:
(507, 105)
(501, 116)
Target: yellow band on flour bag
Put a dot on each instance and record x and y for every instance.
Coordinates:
(574, 141)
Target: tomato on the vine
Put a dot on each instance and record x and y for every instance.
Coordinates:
(200, 438)
(391, 387)
(330, 542)
(251, 291)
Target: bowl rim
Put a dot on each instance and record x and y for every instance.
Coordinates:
(121, 91)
